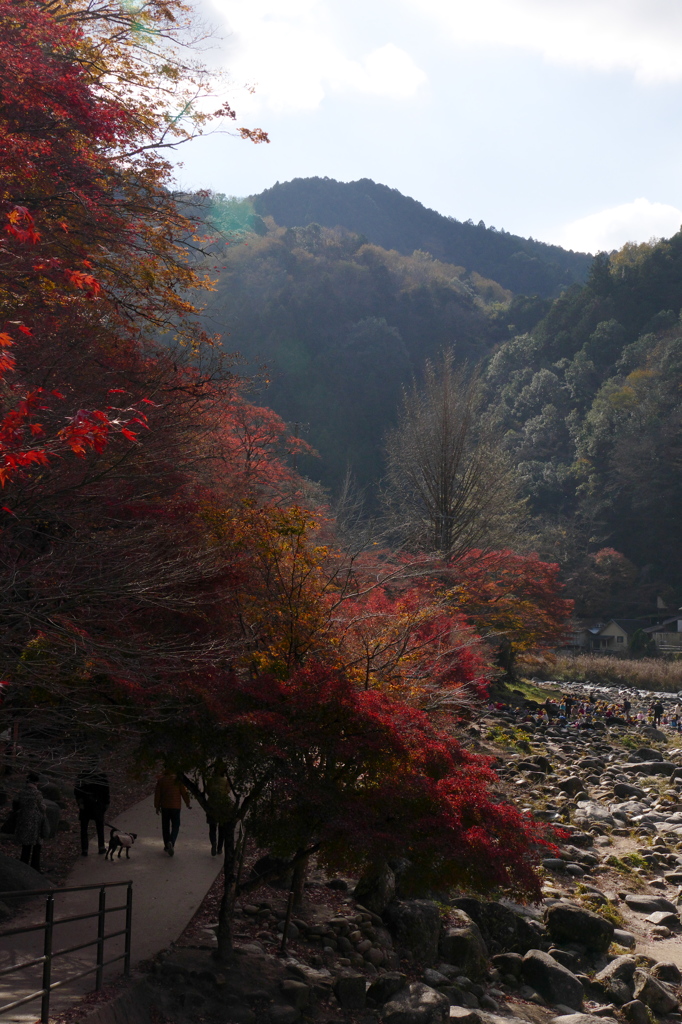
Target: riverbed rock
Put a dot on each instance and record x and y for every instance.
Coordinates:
(416, 1004)
(624, 791)
(654, 994)
(666, 970)
(376, 888)
(349, 990)
(555, 983)
(385, 987)
(649, 904)
(416, 926)
(461, 943)
(635, 1012)
(575, 924)
(15, 876)
(581, 1018)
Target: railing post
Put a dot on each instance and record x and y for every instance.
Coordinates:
(47, 963)
(101, 923)
(129, 923)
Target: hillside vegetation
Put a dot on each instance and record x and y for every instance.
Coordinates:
(590, 404)
(341, 326)
(394, 221)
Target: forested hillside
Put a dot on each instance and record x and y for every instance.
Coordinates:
(394, 221)
(341, 325)
(590, 404)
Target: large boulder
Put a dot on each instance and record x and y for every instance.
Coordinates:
(416, 926)
(624, 790)
(385, 987)
(16, 876)
(349, 990)
(616, 979)
(461, 943)
(668, 971)
(567, 923)
(504, 930)
(649, 904)
(581, 1018)
(654, 994)
(588, 811)
(555, 983)
(376, 888)
(416, 1004)
(571, 785)
(651, 767)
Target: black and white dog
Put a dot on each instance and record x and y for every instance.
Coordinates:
(120, 841)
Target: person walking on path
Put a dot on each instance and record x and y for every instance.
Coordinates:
(31, 820)
(92, 796)
(168, 797)
(657, 710)
(217, 791)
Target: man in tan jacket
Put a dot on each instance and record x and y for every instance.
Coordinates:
(168, 797)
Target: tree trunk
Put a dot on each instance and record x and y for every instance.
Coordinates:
(226, 912)
(298, 881)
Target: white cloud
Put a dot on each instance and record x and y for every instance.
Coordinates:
(289, 50)
(640, 36)
(609, 229)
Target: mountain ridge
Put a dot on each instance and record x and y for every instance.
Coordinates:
(388, 218)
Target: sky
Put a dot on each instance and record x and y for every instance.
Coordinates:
(552, 119)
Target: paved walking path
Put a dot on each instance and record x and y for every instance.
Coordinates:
(166, 893)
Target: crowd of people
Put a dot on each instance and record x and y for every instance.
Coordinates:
(29, 820)
(569, 711)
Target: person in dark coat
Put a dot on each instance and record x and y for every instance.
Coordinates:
(92, 796)
(30, 821)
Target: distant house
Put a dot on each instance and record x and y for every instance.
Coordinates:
(617, 634)
(582, 637)
(667, 635)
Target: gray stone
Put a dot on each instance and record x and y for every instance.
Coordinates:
(416, 926)
(666, 970)
(648, 754)
(508, 963)
(566, 959)
(416, 1004)
(461, 943)
(664, 917)
(623, 790)
(652, 767)
(434, 978)
(579, 1018)
(572, 785)
(624, 938)
(376, 888)
(649, 904)
(622, 968)
(279, 1014)
(385, 987)
(653, 993)
(296, 992)
(555, 983)
(18, 877)
(589, 811)
(245, 1015)
(566, 922)
(635, 1012)
(349, 990)
(462, 1015)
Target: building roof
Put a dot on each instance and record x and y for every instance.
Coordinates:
(660, 627)
(628, 626)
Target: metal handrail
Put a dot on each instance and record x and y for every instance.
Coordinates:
(48, 926)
